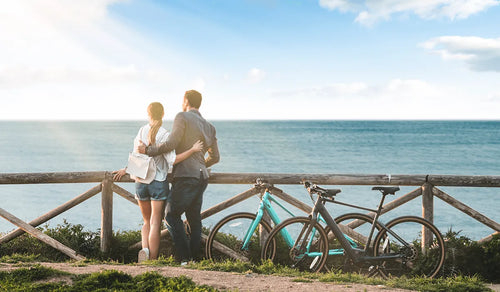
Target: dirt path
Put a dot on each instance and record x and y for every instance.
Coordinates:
(219, 280)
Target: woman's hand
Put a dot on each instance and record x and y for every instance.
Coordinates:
(198, 146)
(118, 174)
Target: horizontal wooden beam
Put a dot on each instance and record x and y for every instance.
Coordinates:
(464, 180)
(274, 178)
(325, 179)
(52, 177)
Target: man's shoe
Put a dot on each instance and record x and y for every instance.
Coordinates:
(143, 255)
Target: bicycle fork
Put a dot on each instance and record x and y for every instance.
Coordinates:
(301, 247)
(264, 206)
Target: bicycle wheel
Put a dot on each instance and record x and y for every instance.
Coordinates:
(296, 246)
(417, 259)
(225, 241)
(360, 225)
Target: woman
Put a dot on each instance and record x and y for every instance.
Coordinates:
(151, 196)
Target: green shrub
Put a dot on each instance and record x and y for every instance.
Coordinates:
(469, 258)
(86, 243)
(119, 248)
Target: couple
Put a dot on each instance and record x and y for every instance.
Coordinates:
(192, 136)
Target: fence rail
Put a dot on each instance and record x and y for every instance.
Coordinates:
(275, 178)
(427, 188)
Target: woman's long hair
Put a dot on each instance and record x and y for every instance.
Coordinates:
(155, 112)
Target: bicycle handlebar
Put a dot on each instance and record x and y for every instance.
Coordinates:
(260, 183)
(313, 188)
(325, 194)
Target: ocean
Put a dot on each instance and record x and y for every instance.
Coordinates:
(335, 147)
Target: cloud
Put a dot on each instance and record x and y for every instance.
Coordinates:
(333, 90)
(199, 84)
(255, 75)
(22, 76)
(493, 97)
(76, 41)
(77, 55)
(396, 88)
(394, 99)
(480, 54)
(372, 11)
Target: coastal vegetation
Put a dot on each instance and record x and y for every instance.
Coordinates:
(468, 265)
(38, 278)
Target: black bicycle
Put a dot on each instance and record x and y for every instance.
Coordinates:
(407, 245)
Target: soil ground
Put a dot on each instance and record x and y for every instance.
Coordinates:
(219, 280)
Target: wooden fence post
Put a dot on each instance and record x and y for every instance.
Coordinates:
(427, 213)
(106, 213)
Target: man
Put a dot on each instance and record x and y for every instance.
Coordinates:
(190, 175)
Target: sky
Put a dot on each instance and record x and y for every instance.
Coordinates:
(251, 59)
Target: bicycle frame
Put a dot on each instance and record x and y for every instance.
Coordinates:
(357, 255)
(265, 206)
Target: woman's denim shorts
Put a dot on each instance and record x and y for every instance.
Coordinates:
(155, 191)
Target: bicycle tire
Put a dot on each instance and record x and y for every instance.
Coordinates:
(340, 261)
(230, 231)
(418, 260)
(291, 256)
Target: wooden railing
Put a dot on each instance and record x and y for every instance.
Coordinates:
(427, 188)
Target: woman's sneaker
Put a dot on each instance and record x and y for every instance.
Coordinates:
(143, 255)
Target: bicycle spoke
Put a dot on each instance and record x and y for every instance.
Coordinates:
(227, 239)
(296, 246)
(356, 230)
(415, 258)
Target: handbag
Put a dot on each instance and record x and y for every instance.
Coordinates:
(139, 165)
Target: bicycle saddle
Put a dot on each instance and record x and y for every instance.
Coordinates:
(330, 193)
(387, 190)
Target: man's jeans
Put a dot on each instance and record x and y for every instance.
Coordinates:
(186, 196)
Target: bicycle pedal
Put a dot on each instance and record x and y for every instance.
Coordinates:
(313, 262)
(373, 270)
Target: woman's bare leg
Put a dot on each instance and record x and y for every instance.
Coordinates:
(145, 207)
(154, 233)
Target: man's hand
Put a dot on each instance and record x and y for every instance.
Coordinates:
(141, 148)
(198, 146)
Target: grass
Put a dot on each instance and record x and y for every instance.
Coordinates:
(454, 283)
(37, 278)
(19, 258)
